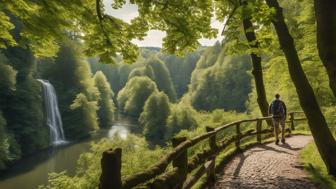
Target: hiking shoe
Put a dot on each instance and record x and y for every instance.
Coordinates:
(283, 141)
(277, 142)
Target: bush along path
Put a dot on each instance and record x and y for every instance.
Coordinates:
(267, 166)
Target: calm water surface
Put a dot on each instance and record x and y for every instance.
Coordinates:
(33, 171)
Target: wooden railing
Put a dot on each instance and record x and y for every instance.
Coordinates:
(183, 173)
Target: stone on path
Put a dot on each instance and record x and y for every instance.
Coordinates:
(267, 166)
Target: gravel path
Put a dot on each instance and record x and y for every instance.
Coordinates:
(267, 166)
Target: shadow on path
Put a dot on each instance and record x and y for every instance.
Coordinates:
(287, 146)
(266, 147)
(242, 157)
(267, 166)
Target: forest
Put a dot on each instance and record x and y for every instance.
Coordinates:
(69, 70)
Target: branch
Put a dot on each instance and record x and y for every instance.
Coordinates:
(230, 17)
(98, 10)
(101, 23)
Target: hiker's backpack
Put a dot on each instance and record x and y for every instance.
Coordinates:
(278, 109)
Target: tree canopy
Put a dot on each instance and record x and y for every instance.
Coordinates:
(154, 116)
(43, 26)
(77, 92)
(105, 102)
(133, 96)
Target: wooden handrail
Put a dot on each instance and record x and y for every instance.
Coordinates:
(177, 177)
(242, 121)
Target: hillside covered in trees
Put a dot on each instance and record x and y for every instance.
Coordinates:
(89, 93)
(97, 74)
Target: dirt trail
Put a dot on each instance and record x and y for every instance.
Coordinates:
(267, 166)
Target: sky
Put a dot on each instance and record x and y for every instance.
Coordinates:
(154, 37)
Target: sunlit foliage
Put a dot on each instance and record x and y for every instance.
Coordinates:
(180, 69)
(183, 21)
(8, 74)
(43, 26)
(134, 151)
(154, 116)
(220, 82)
(133, 96)
(301, 22)
(105, 102)
(162, 77)
(78, 96)
(145, 70)
(182, 117)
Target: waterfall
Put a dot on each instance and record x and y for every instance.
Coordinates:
(54, 120)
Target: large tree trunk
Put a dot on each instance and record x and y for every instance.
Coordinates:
(323, 138)
(257, 69)
(325, 11)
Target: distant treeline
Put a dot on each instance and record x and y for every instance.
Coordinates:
(164, 90)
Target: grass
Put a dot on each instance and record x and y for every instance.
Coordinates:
(315, 167)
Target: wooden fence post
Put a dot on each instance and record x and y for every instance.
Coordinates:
(111, 170)
(258, 129)
(212, 139)
(292, 120)
(211, 174)
(238, 135)
(181, 162)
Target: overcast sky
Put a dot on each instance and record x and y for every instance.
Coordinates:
(154, 37)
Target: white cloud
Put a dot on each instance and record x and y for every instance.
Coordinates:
(215, 24)
(128, 12)
(154, 37)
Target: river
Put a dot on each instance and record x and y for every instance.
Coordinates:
(33, 171)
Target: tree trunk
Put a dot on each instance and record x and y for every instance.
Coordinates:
(256, 64)
(325, 12)
(323, 138)
(110, 176)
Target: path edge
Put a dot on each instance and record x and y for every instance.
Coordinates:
(230, 154)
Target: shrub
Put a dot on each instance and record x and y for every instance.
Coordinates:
(132, 97)
(153, 118)
(182, 117)
(105, 102)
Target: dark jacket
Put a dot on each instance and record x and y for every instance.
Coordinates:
(283, 105)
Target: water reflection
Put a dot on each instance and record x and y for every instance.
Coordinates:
(33, 171)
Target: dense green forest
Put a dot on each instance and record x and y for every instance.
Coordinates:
(88, 100)
(178, 89)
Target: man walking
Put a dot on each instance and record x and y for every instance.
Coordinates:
(279, 111)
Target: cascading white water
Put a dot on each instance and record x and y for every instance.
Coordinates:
(54, 120)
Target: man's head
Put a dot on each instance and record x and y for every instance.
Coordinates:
(277, 96)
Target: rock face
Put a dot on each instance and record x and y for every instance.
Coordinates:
(267, 166)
